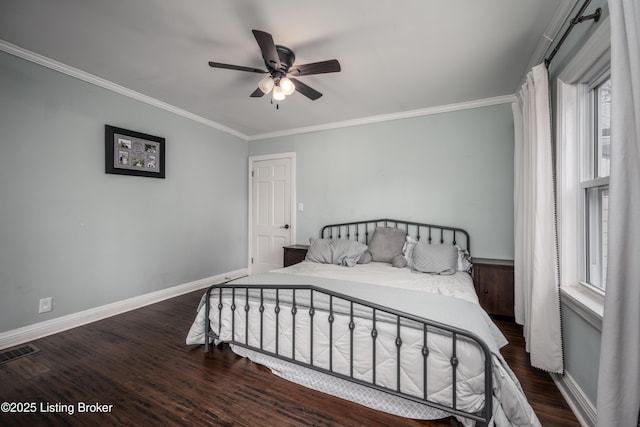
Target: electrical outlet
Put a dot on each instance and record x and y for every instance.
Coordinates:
(45, 305)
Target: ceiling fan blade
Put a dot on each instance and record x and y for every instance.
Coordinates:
(257, 93)
(307, 91)
(236, 67)
(268, 48)
(330, 66)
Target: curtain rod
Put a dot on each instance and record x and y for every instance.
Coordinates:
(575, 21)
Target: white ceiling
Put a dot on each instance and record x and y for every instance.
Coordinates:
(396, 56)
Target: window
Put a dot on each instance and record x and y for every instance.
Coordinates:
(594, 183)
(583, 146)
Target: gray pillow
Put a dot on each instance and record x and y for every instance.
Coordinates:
(320, 251)
(399, 261)
(386, 243)
(347, 252)
(365, 258)
(435, 259)
(335, 251)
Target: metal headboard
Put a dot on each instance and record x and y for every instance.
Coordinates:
(361, 231)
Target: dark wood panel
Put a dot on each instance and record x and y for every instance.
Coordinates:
(493, 280)
(294, 254)
(138, 363)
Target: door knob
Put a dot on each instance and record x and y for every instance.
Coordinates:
(286, 226)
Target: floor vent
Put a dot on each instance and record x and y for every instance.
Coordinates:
(17, 352)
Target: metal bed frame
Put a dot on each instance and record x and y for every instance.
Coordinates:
(359, 231)
(239, 295)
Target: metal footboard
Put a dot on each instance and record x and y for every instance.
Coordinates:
(288, 303)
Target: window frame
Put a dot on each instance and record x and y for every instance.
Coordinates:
(589, 178)
(585, 66)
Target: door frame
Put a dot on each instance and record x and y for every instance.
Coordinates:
(293, 203)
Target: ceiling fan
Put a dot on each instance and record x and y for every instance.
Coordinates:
(279, 62)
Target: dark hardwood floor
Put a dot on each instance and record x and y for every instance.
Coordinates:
(138, 363)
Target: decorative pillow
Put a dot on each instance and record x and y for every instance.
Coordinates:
(407, 249)
(320, 250)
(399, 261)
(347, 252)
(464, 260)
(386, 243)
(335, 251)
(435, 259)
(365, 258)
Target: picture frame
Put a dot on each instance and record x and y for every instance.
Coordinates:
(133, 153)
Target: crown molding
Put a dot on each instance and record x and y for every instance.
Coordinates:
(505, 99)
(100, 82)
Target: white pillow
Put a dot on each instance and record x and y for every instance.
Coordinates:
(464, 260)
(407, 249)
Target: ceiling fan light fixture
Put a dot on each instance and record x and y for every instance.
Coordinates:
(279, 62)
(278, 94)
(287, 86)
(266, 84)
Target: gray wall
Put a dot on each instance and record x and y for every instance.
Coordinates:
(451, 168)
(581, 351)
(85, 238)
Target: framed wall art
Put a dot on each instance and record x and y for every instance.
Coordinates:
(133, 153)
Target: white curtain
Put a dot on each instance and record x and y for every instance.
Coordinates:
(537, 303)
(619, 377)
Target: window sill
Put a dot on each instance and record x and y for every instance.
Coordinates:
(585, 302)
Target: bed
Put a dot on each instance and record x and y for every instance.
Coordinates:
(382, 313)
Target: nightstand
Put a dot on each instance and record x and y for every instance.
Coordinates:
(493, 279)
(294, 254)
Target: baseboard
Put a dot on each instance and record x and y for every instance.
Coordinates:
(579, 403)
(63, 323)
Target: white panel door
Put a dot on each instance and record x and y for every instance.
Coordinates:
(271, 213)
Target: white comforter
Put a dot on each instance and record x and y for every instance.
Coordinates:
(457, 285)
(510, 406)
